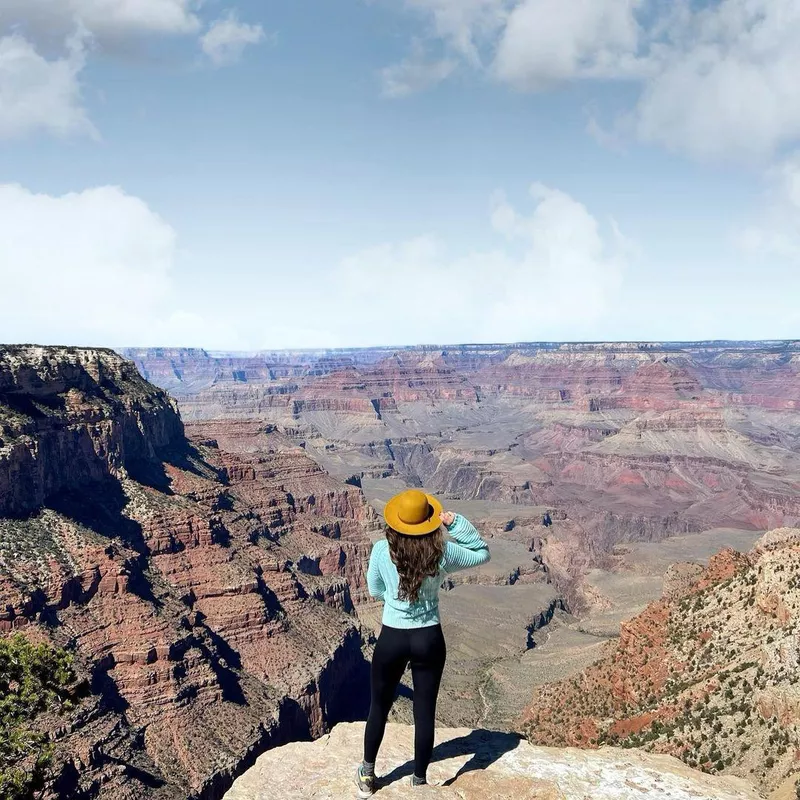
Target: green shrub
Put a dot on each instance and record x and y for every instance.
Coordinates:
(33, 679)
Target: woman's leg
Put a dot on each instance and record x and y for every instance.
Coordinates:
(428, 654)
(388, 664)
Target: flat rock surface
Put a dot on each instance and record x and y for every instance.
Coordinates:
(476, 765)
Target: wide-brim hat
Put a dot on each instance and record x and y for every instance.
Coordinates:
(413, 513)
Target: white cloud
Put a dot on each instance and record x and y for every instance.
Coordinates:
(39, 87)
(226, 39)
(534, 43)
(39, 73)
(557, 279)
(549, 41)
(50, 21)
(100, 267)
(94, 267)
(465, 25)
(717, 80)
(37, 94)
(726, 85)
(415, 73)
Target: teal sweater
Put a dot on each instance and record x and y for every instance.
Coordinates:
(468, 550)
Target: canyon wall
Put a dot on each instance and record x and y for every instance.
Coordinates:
(707, 674)
(594, 377)
(617, 442)
(205, 587)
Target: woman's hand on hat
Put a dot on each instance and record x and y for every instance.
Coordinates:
(447, 517)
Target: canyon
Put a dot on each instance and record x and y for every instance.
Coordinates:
(708, 672)
(206, 591)
(590, 467)
(200, 547)
(624, 440)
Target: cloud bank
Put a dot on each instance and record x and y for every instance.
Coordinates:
(716, 81)
(104, 267)
(100, 267)
(94, 267)
(556, 277)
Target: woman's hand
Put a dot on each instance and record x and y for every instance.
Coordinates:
(447, 517)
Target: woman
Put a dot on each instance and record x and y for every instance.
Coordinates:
(406, 570)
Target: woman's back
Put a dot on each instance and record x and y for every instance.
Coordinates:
(383, 580)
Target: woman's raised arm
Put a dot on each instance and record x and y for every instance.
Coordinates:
(469, 548)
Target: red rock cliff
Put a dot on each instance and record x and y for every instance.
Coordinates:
(206, 591)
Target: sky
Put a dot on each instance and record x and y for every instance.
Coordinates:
(338, 173)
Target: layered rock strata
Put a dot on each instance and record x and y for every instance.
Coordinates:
(708, 673)
(628, 441)
(206, 591)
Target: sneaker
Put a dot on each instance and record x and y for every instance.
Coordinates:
(415, 785)
(365, 783)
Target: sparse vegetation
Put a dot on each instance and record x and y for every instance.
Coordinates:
(34, 679)
(694, 682)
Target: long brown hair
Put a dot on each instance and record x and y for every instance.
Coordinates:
(416, 558)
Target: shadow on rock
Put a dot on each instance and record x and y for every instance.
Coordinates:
(484, 746)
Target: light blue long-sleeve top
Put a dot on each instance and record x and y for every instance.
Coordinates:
(468, 550)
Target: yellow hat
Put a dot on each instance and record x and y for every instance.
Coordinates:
(413, 513)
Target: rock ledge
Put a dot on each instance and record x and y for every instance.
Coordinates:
(476, 765)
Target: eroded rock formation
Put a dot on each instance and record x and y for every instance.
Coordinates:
(206, 588)
(708, 673)
(628, 441)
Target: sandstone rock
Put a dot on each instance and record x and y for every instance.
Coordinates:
(475, 765)
(85, 408)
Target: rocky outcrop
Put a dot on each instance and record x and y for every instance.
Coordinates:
(281, 482)
(476, 764)
(707, 673)
(88, 410)
(206, 586)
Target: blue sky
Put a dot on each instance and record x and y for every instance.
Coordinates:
(317, 173)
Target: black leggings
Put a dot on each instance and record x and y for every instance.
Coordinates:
(425, 649)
